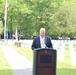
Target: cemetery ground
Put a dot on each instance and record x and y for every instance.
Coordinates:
(5, 69)
(65, 64)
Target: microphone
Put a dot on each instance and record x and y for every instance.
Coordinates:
(46, 46)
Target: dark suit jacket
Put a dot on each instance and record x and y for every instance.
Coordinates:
(36, 42)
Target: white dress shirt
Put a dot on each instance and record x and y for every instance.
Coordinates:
(42, 42)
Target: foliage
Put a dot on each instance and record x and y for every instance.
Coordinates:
(30, 16)
(57, 16)
(65, 20)
(1, 9)
(1, 27)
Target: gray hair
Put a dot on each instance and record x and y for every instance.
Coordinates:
(42, 29)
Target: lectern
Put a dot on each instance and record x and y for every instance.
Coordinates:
(44, 61)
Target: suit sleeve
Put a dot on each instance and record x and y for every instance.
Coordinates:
(33, 45)
(51, 45)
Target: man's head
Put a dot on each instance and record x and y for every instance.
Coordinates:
(42, 32)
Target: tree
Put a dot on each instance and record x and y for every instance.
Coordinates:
(1, 28)
(65, 20)
(30, 15)
(1, 9)
(40, 15)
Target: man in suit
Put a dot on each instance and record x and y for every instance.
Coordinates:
(41, 41)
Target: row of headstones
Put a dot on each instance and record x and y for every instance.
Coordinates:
(72, 54)
(61, 50)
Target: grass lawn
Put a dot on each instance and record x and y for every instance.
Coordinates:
(63, 67)
(26, 51)
(74, 47)
(4, 67)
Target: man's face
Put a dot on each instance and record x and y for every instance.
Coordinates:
(42, 33)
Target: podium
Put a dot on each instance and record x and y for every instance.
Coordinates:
(44, 61)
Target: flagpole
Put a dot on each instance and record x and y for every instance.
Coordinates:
(5, 19)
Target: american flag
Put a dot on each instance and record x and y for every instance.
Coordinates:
(5, 11)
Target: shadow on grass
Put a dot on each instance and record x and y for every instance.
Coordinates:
(64, 71)
(27, 71)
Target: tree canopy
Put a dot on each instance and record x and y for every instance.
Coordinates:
(57, 16)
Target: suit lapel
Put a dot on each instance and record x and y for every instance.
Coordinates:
(45, 39)
(39, 42)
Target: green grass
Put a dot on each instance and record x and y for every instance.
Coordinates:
(26, 51)
(4, 66)
(63, 67)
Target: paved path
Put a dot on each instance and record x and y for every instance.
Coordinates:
(19, 64)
